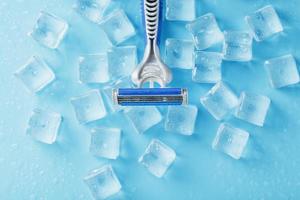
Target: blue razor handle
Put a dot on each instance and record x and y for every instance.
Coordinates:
(151, 70)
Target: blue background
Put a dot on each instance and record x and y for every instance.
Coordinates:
(31, 170)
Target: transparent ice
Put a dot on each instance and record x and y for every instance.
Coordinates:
(157, 158)
(89, 107)
(93, 10)
(237, 46)
(108, 90)
(121, 61)
(264, 23)
(282, 71)
(49, 30)
(93, 69)
(143, 118)
(181, 119)
(205, 31)
(230, 140)
(207, 67)
(180, 10)
(35, 74)
(44, 125)
(253, 108)
(105, 142)
(219, 101)
(179, 53)
(103, 182)
(117, 27)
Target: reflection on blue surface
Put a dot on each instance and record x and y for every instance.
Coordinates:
(31, 170)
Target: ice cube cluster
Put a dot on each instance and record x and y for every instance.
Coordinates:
(112, 69)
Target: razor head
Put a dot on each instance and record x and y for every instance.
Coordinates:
(150, 96)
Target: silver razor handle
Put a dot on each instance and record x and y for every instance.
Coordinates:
(151, 69)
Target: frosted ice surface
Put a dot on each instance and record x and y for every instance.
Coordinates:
(179, 53)
(49, 30)
(180, 10)
(44, 125)
(157, 158)
(230, 140)
(105, 142)
(181, 119)
(207, 67)
(205, 31)
(264, 23)
(219, 101)
(103, 182)
(89, 107)
(35, 74)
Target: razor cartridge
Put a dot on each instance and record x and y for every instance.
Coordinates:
(151, 70)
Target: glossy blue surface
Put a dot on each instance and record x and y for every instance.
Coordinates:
(31, 170)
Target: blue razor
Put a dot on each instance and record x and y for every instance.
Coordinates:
(151, 70)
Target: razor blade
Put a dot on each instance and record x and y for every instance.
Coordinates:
(150, 96)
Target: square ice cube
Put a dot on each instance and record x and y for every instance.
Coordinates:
(181, 119)
(237, 46)
(180, 10)
(49, 30)
(157, 158)
(105, 142)
(219, 101)
(230, 140)
(43, 125)
(207, 67)
(89, 107)
(107, 91)
(282, 71)
(93, 69)
(264, 23)
(93, 10)
(103, 182)
(205, 31)
(253, 108)
(179, 53)
(121, 61)
(35, 74)
(117, 27)
(143, 118)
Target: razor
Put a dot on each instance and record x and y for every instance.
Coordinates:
(151, 70)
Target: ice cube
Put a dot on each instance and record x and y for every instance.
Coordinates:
(118, 27)
(103, 182)
(105, 142)
(207, 67)
(253, 108)
(93, 69)
(264, 23)
(143, 118)
(93, 10)
(157, 158)
(282, 71)
(121, 61)
(179, 53)
(180, 10)
(35, 74)
(230, 140)
(44, 125)
(181, 119)
(89, 107)
(219, 101)
(107, 91)
(205, 31)
(49, 30)
(237, 46)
